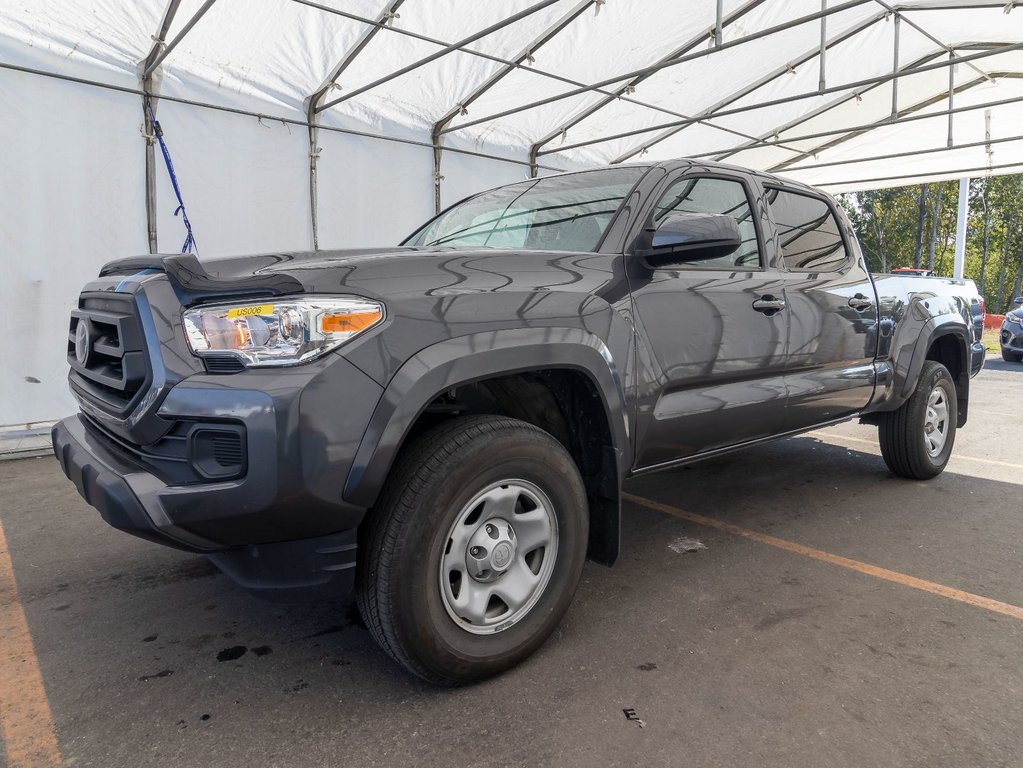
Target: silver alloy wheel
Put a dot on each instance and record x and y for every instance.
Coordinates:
(936, 422)
(499, 556)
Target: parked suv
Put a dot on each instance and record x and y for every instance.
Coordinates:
(445, 425)
(1011, 336)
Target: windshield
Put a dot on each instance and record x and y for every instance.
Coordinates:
(558, 213)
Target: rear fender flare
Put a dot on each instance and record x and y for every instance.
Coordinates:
(919, 357)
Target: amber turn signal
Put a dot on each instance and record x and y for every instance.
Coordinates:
(349, 322)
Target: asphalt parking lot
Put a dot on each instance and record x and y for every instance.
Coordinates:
(836, 616)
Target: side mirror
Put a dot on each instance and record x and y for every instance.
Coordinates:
(683, 237)
(1018, 301)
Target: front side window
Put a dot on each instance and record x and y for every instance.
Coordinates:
(808, 233)
(724, 196)
(558, 213)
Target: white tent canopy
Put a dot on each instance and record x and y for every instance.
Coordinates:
(294, 124)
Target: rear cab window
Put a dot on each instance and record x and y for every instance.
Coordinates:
(809, 236)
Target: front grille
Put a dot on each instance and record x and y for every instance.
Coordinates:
(106, 350)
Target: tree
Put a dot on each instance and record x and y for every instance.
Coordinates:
(893, 224)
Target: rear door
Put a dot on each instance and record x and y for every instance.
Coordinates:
(832, 310)
(711, 365)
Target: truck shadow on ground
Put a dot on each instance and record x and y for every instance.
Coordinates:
(185, 633)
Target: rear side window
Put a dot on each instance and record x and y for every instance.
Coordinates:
(705, 195)
(808, 233)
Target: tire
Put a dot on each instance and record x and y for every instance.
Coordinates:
(1012, 357)
(428, 554)
(917, 439)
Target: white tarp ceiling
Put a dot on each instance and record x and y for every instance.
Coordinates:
(750, 71)
(847, 94)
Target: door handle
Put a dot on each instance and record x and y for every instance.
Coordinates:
(859, 302)
(769, 304)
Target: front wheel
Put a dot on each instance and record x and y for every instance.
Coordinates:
(916, 440)
(1012, 357)
(474, 553)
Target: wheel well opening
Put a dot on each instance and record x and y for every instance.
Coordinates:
(564, 403)
(949, 351)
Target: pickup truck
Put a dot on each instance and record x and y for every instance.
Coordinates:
(445, 426)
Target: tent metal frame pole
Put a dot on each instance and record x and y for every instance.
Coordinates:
(763, 139)
(566, 126)
(881, 124)
(822, 81)
(451, 48)
(951, 97)
(147, 70)
(850, 133)
(503, 61)
(895, 66)
(619, 94)
(956, 173)
(312, 117)
(482, 54)
(908, 153)
(751, 88)
(896, 10)
(649, 70)
(263, 116)
(794, 97)
(152, 65)
(462, 106)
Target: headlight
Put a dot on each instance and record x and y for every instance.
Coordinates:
(279, 332)
(1014, 320)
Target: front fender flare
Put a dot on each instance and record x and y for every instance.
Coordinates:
(465, 359)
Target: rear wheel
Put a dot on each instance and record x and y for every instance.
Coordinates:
(916, 440)
(1012, 357)
(474, 553)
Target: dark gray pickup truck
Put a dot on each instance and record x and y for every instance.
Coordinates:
(446, 425)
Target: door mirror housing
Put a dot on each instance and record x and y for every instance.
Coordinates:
(1018, 301)
(684, 237)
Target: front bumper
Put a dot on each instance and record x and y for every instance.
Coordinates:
(1011, 338)
(283, 522)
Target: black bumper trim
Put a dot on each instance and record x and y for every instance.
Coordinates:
(103, 479)
(324, 566)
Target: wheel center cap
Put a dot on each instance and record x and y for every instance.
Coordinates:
(501, 555)
(491, 550)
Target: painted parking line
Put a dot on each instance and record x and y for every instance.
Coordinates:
(958, 595)
(955, 456)
(29, 739)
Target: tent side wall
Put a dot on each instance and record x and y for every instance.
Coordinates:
(72, 191)
(72, 186)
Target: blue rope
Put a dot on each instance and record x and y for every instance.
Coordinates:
(189, 243)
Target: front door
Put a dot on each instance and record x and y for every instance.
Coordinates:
(711, 352)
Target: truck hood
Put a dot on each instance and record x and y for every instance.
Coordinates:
(378, 272)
